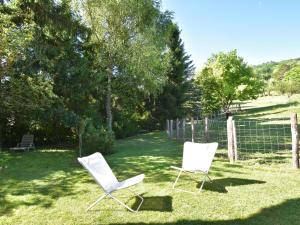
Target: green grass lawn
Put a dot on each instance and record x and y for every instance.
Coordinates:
(270, 107)
(263, 126)
(49, 187)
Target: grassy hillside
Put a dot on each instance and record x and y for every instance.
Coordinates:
(270, 107)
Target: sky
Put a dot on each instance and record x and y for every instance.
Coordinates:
(260, 30)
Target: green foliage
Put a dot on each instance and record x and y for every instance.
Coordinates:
(170, 104)
(132, 36)
(225, 78)
(274, 74)
(66, 62)
(292, 80)
(97, 140)
(193, 95)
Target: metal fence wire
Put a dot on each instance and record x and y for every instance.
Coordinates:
(253, 136)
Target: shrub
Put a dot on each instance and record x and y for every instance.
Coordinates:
(97, 140)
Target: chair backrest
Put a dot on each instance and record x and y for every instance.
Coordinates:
(198, 156)
(100, 170)
(27, 141)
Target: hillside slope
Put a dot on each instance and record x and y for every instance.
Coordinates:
(278, 69)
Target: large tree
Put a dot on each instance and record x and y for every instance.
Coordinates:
(130, 54)
(22, 91)
(45, 74)
(171, 102)
(225, 78)
(291, 81)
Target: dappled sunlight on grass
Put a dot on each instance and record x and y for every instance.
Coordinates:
(50, 187)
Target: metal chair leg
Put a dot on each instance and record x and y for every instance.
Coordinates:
(210, 180)
(200, 189)
(205, 175)
(177, 179)
(98, 200)
(140, 197)
(124, 205)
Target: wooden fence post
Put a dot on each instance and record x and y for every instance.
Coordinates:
(234, 141)
(171, 129)
(177, 129)
(295, 141)
(206, 129)
(230, 139)
(193, 128)
(183, 129)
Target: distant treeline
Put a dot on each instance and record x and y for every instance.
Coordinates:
(280, 77)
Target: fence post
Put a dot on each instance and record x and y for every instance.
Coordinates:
(193, 128)
(206, 129)
(177, 129)
(295, 141)
(234, 141)
(183, 129)
(230, 139)
(171, 129)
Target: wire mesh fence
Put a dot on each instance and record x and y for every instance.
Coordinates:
(254, 137)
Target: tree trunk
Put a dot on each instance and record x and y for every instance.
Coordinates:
(80, 144)
(80, 131)
(183, 129)
(193, 129)
(228, 114)
(0, 139)
(108, 101)
(177, 129)
(168, 129)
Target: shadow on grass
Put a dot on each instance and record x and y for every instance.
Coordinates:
(41, 177)
(258, 110)
(286, 213)
(37, 178)
(219, 185)
(155, 203)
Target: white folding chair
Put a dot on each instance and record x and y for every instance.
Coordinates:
(103, 175)
(196, 158)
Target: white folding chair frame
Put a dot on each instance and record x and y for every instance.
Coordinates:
(186, 171)
(97, 166)
(192, 150)
(118, 201)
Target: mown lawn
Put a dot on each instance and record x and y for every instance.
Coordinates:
(49, 187)
(270, 108)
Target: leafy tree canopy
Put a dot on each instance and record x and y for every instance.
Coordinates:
(225, 78)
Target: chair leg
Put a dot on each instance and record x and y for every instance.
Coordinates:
(177, 179)
(140, 197)
(205, 175)
(200, 189)
(98, 200)
(210, 180)
(124, 205)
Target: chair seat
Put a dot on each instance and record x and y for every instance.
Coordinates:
(130, 182)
